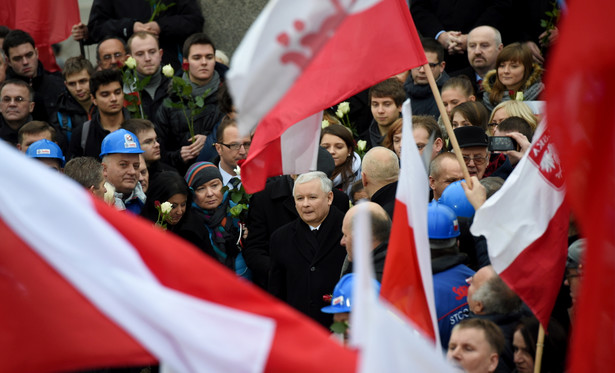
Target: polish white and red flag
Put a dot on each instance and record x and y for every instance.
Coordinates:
(84, 286)
(526, 227)
(580, 106)
(407, 281)
(300, 57)
(386, 341)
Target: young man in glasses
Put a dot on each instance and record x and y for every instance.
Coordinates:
(417, 86)
(231, 147)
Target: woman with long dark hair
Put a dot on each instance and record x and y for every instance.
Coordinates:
(339, 142)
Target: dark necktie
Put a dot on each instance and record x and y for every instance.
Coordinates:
(235, 182)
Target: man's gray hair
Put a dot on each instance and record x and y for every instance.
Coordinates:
(325, 183)
(497, 297)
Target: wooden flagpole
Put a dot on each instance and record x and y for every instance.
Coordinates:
(447, 123)
(540, 344)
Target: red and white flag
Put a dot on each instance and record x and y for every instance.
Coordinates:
(86, 286)
(300, 57)
(407, 281)
(387, 343)
(526, 227)
(48, 22)
(580, 106)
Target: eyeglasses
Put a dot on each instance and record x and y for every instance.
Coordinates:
(434, 64)
(235, 146)
(493, 124)
(117, 55)
(478, 159)
(18, 99)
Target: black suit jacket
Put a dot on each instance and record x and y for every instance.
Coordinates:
(304, 267)
(270, 209)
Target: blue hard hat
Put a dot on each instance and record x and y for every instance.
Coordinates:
(341, 300)
(45, 149)
(441, 222)
(120, 141)
(455, 198)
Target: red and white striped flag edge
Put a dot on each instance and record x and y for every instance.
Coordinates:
(387, 341)
(301, 57)
(89, 286)
(526, 227)
(407, 282)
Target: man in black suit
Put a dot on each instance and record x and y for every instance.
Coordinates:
(273, 207)
(306, 255)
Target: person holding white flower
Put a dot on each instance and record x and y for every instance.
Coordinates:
(143, 47)
(338, 141)
(176, 122)
(218, 233)
(169, 187)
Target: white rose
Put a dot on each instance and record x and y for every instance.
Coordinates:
(339, 114)
(131, 62)
(325, 123)
(166, 207)
(237, 171)
(168, 71)
(344, 107)
(361, 145)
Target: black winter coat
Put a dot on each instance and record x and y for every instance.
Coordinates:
(173, 132)
(270, 209)
(306, 266)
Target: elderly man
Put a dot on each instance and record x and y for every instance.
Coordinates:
(473, 143)
(120, 152)
(380, 171)
(443, 170)
(306, 254)
(490, 298)
(381, 228)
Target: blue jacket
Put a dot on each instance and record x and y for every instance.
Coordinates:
(450, 289)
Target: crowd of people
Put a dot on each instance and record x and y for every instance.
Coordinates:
(294, 239)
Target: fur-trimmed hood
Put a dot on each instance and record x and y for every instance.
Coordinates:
(535, 77)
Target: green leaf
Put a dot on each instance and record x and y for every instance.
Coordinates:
(543, 23)
(548, 13)
(200, 101)
(236, 196)
(339, 327)
(187, 90)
